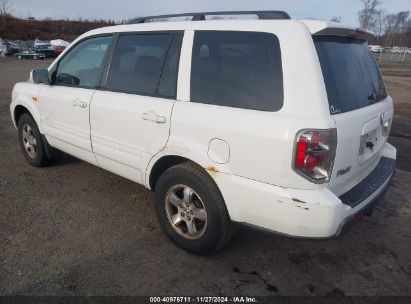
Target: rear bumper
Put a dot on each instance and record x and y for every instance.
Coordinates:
(316, 213)
(375, 183)
(370, 184)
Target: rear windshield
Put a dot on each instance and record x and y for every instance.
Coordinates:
(351, 74)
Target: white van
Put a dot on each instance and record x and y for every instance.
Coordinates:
(277, 123)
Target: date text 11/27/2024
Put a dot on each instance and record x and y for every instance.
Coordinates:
(203, 300)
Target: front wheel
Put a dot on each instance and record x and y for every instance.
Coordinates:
(31, 142)
(191, 209)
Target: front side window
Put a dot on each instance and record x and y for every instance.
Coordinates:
(137, 64)
(82, 65)
(237, 69)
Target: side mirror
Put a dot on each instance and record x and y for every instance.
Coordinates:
(40, 76)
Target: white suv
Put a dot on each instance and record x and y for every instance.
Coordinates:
(277, 123)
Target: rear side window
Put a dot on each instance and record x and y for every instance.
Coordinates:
(237, 69)
(137, 64)
(351, 74)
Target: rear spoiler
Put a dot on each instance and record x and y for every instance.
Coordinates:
(338, 31)
(324, 28)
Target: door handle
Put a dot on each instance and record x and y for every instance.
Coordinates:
(79, 103)
(153, 116)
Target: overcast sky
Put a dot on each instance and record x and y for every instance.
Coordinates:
(125, 9)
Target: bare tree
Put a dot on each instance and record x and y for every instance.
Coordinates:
(408, 25)
(336, 19)
(378, 27)
(6, 8)
(394, 25)
(389, 28)
(402, 20)
(401, 23)
(367, 15)
(5, 11)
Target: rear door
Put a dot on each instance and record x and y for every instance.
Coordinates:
(130, 115)
(359, 105)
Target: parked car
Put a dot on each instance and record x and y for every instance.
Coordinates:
(9, 48)
(376, 48)
(46, 49)
(279, 124)
(58, 50)
(30, 54)
(399, 50)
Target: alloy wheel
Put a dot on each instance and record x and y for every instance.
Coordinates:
(186, 212)
(29, 141)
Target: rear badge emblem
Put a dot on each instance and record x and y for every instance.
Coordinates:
(334, 110)
(343, 171)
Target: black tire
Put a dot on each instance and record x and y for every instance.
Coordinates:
(40, 159)
(219, 228)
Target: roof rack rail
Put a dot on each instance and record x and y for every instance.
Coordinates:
(262, 15)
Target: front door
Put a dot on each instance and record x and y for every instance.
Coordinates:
(65, 105)
(130, 116)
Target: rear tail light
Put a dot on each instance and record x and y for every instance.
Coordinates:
(314, 154)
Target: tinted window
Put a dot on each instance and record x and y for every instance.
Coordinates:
(137, 63)
(351, 75)
(81, 66)
(237, 69)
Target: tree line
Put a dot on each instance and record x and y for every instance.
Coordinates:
(14, 28)
(391, 29)
(19, 29)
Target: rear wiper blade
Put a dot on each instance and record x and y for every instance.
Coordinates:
(372, 97)
(375, 97)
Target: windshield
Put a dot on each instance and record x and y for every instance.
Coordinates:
(351, 74)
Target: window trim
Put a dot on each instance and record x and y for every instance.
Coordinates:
(54, 68)
(179, 39)
(239, 31)
(175, 34)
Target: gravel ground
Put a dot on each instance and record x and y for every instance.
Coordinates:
(75, 229)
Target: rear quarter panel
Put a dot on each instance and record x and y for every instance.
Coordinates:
(261, 143)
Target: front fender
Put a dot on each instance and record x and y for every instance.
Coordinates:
(26, 94)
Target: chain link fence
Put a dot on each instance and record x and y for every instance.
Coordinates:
(387, 58)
